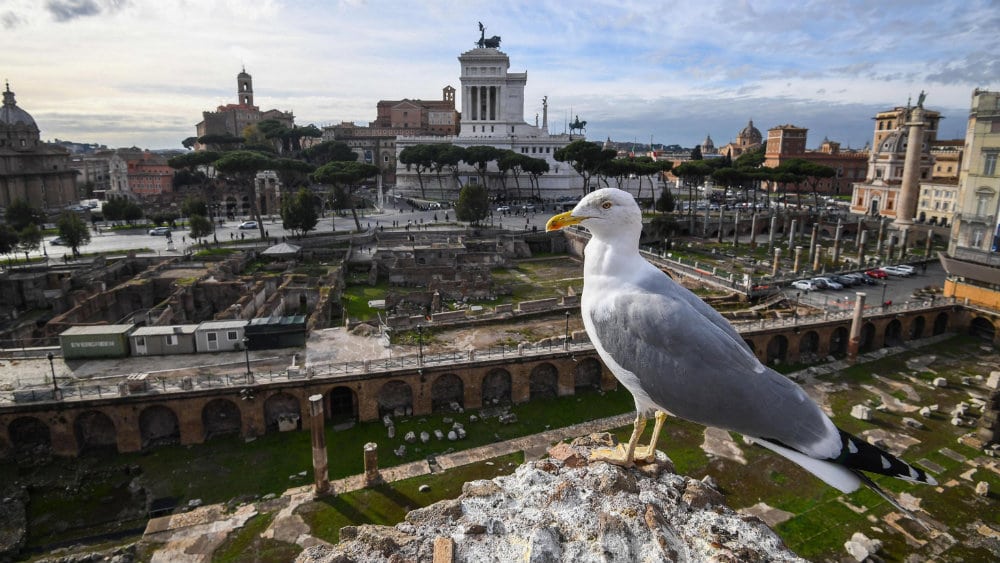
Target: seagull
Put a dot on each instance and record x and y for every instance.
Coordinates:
(677, 355)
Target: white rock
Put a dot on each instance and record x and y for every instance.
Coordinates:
(425, 437)
(956, 421)
(461, 433)
(925, 412)
(400, 451)
(452, 435)
(993, 382)
(940, 382)
(439, 434)
(410, 437)
(392, 432)
(861, 412)
(983, 489)
(424, 488)
(912, 423)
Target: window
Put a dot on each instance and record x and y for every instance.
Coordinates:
(989, 164)
(232, 335)
(171, 340)
(212, 337)
(140, 341)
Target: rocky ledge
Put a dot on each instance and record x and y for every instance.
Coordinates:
(564, 508)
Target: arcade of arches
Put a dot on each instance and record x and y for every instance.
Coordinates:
(139, 422)
(134, 423)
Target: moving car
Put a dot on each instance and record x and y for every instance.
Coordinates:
(58, 241)
(503, 209)
(160, 231)
(877, 273)
(248, 225)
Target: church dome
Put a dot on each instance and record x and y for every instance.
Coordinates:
(18, 129)
(750, 135)
(893, 143)
(707, 143)
(12, 116)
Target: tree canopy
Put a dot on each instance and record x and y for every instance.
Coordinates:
(73, 230)
(200, 226)
(586, 158)
(473, 203)
(20, 214)
(345, 175)
(298, 213)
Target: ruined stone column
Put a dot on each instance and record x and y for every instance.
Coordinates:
(836, 244)
(791, 234)
(320, 473)
(906, 205)
(888, 250)
(372, 474)
(928, 242)
(817, 257)
(736, 229)
(776, 263)
(722, 215)
(854, 344)
(861, 229)
(812, 240)
(861, 249)
(770, 235)
(903, 236)
(753, 230)
(705, 230)
(798, 258)
(881, 237)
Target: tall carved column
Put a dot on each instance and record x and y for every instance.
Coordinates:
(906, 207)
(854, 344)
(319, 459)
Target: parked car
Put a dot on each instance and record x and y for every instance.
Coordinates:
(58, 241)
(804, 285)
(160, 231)
(830, 284)
(907, 268)
(877, 273)
(897, 271)
(503, 209)
(861, 278)
(846, 281)
(245, 225)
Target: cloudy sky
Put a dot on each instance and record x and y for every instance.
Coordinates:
(140, 72)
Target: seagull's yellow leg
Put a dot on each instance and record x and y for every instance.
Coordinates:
(622, 455)
(648, 453)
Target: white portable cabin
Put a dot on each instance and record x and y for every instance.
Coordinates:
(220, 336)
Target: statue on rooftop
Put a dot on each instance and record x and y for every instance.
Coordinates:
(484, 43)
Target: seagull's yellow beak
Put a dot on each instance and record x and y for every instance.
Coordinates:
(562, 220)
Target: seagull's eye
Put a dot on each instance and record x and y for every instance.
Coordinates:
(606, 205)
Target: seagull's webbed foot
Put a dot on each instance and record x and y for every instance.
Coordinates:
(622, 455)
(617, 455)
(648, 453)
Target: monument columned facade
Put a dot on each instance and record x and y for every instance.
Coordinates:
(493, 115)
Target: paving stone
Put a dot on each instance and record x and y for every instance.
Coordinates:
(930, 466)
(952, 454)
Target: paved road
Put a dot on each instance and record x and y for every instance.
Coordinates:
(895, 289)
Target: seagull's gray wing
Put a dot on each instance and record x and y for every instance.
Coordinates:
(694, 368)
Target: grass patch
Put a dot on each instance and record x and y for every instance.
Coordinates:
(246, 545)
(356, 298)
(388, 503)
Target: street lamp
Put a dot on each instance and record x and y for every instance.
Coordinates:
(52, 367)
(795, 313)
(884, 286)
(566, 340)
(246, 352)
(420, 344)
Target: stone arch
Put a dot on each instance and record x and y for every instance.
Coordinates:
(158, 425)
(940, 323)
(587, 375)
(447, 389)
(838, 341)
(867, 339)
(982, 327)
(95, 430)
(893, 333)
(343, 404)
(282, 412)
(777, 348)
(808, 344)
(543, 382)
(29, 434)
(917, 326)
(395, 398)
(219, 417)
(496, 387)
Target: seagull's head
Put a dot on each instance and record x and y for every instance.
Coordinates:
(606, 213)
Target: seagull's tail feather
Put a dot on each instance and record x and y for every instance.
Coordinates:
(860, 455)
(834, 474)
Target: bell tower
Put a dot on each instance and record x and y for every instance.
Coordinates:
(244, 88)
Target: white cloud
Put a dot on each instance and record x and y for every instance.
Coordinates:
(624, 66)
